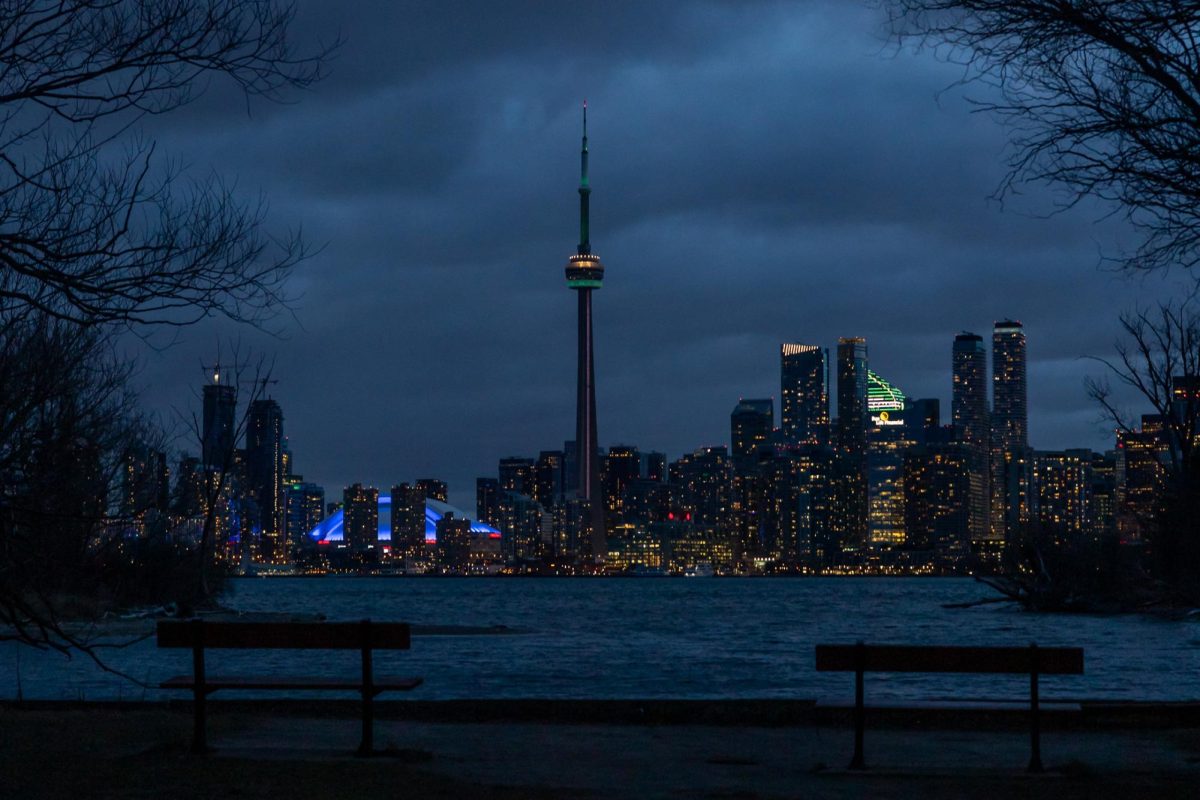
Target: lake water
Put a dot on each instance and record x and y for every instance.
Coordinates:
(658, 638)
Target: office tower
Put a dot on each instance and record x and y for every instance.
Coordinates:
(888, 441)
(487, 500)
(360, 517)
(804, 382)
(969, 409)
(188, 498)
(521, 524)
(851, 496)
(453, 543)
(937, 494)
(699, 487)
(408, 520)
(793, 512)
(517, 475)
(750, 427)
(585, 273)
(219, 426)
(548, 478)
(1010, 428)
(434, 489)
(145, 482)
(1141, 476)
(1103, 495)
(305, 506)
(622, 465)
(264, 474)
(1064, 481)
(654, 466)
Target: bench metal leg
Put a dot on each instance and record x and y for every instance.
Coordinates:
(199, 693)
(859, 711)
(367, 746)
(1035, 723)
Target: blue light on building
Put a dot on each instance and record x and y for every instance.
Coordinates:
(330, 529)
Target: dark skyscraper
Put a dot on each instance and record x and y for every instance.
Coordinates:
(804, 381)
(850, 517)
(969, 410)
(264, 473)
(408, 520)
(434, 489)
(360, 520)
(584, 274)
(487, 500)
(220, 409)
(750, 427)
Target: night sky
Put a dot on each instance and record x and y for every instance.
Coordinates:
(761, 172)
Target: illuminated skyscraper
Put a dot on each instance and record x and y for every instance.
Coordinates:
(1010, 429)
(850, 507)
(585, 273)
(804, 383)
(969, 410)
(264, 473)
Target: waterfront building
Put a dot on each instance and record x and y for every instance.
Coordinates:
(750, 427)
(937, 495)
(487, 500)
(850, 517)
(585, 274)
(804, 385)
(521, 526)
(145, 482)
(548, 478)
(1063, 480)
(219, 430)
(621, 466)
(305, 508)
(1103, 494)
(794, 507)
(408, 521)
(517, 475)
(1010, 426)
(654, 466)
(888, 440)
(434, 489)
(1142, 462)
(264, 476)
(453, 543)
(699, 487)
(969, 410)
(360, 508)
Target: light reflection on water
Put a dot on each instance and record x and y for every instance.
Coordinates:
(657, 638)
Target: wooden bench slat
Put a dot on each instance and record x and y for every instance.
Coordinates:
(914, 658)
(283, 635)
(382, 684)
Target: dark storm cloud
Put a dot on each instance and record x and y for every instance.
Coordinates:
(762, 172)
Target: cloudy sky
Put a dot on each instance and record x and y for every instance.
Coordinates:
(762, 172)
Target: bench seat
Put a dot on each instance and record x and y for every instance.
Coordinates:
(283, 683)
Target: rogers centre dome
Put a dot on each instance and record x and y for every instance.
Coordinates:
(330, 529)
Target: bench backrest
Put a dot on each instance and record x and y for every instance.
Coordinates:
(284, 635)
(916, 658)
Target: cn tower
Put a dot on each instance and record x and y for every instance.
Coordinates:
(585, 273)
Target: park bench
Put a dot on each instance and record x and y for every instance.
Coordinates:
(365, 636)
(1032, 660)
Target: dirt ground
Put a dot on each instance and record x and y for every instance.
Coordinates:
(142, 753)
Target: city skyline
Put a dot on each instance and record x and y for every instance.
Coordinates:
(738, 222)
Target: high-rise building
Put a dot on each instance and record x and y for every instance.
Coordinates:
(360, 520)
(264, 474)
(1010, 425)
(408, 520)
(146, 482)
(548, 478)
(804, 408)
(453, 542)
(1142, 462)
(654, 466)
(750, 427)
(585, 273)
(1064, 481)
(937, 491)
(305, 508)
(622, 466)
(517, 475)
(487, 500)
(434, 489)
(888, 441)
(969, 410)
(850, 505)
(219, 426)
(699, 487)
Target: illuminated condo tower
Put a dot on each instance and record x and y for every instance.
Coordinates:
(585, 273)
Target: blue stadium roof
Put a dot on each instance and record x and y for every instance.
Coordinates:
(330, 529)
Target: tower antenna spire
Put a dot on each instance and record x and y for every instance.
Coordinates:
(585, 191)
